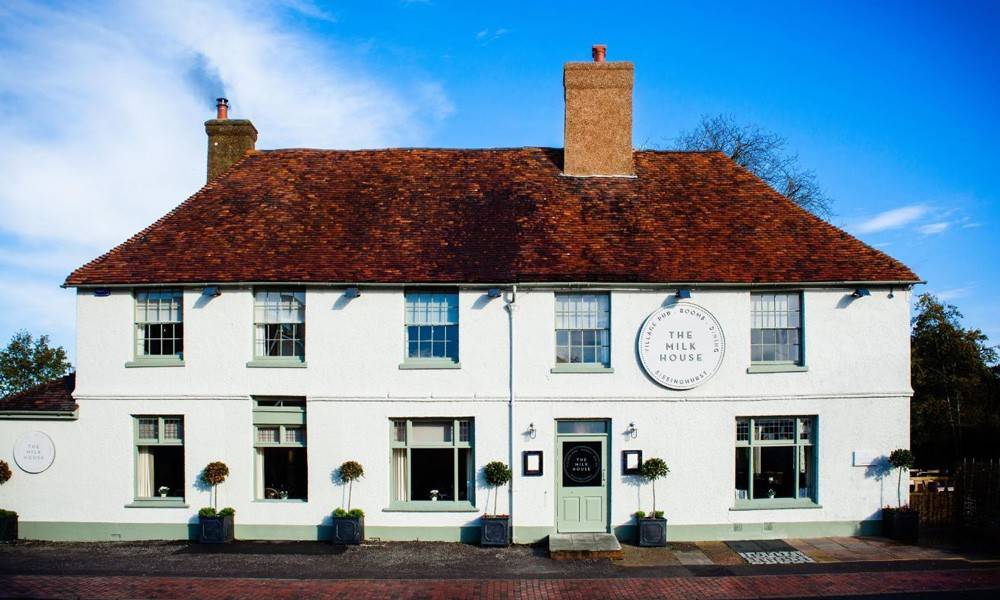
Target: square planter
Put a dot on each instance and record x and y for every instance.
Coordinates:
(216, 530)
(495, 531)
(901, 525)
(8, 528)
(652, 532)
(348, 530)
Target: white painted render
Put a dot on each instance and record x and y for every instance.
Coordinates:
(857, 384)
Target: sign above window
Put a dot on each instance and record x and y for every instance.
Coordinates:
(681, 346)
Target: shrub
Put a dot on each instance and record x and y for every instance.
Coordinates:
(901, 459)
(354, 513)
(639, 514)
(651, 470)
(658, 514)
(7, 513)
(339, 513)
(228, 511)
(5, 472)
(349, 472)
(208, 511)
(497, 474)
(213, 474)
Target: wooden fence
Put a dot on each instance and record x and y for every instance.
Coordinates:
(970, 501)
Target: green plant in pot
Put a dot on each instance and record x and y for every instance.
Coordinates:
(901, 522)
(349, 524)
(8, 518)
(652, 528)
(496, 528)
(215, 526)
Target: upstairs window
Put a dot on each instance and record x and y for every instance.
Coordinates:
(776, 328)
(583, 329)
(432, 327)
(280, 324)
(159, 324)
(159, 462)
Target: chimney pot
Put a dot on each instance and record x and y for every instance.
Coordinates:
(222, 109)
(599, 52)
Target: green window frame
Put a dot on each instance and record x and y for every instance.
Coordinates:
(418, 438)
(158, 325)
(280, 454)
(279, 326)
(776, 332)
(776, 462)
(582, 333)
(431, 329)
(158, 456)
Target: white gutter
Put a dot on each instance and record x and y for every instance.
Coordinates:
(511, 306)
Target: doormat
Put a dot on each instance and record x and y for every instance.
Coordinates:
(768, 552)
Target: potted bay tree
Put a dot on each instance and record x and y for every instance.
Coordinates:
(349, 525)
(901, 522)
(652, 527)
(8, 518)
(496, 528)
(215, 526)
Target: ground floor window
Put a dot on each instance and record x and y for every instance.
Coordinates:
(432, 460)
(159, 458)
(775, 459)
(281, 463)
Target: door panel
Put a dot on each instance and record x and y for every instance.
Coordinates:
(582, 484)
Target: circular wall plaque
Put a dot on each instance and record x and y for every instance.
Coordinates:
(681, 346)
(34, 452)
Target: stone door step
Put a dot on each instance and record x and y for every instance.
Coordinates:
(572, 546)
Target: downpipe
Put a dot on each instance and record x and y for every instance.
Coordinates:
(511, 307)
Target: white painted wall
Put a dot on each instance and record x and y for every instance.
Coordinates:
(857, 384)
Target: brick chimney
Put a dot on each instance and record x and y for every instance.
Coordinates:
(228, 139)
(598, 130)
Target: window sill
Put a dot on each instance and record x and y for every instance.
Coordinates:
(276, 363)
(158, 503)
(154, 362)
(774, 504)
(581, 368)
(281, 500)
(431, 506)
(429, 364)
(777, 368)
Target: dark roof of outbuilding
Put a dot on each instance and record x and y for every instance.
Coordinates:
(486, 216)
(52, 396)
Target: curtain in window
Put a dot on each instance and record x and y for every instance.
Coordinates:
(401, 484)
(144, 473)
(258, 480)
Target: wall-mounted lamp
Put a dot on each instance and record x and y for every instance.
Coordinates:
(211, 290)
(861, 293)
(352, 292)
(892, 293)
(102, 292)
(632, 432)
(531, 431)
(683, 294)
(494, 292)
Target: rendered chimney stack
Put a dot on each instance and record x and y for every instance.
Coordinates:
(228, 139)
(598, 126)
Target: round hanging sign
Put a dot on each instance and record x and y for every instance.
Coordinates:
(681, 346)
(34, 452)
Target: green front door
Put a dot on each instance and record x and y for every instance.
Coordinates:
(582, 483)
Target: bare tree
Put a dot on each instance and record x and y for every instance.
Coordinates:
(763, 154)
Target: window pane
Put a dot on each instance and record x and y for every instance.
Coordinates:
(774, 428)
(773, 475)
(295, 435)
(424, 308)
(432, 432)
(742, 430)
(173, 428)
(267, 435)
(806, 472)
(776, 323)
(167, 471)
(148, 428)
(466, 473)
(742, 480)
(805, 429)
(581, 426)
(463, 431)
(433, 474)
(285, 473)
(399, 431)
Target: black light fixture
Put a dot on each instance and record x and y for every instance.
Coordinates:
(861, 293)
(684, 293)
(494, 292)
(102, 292)
(531, 431)
(352, 292)
(211, 290)
(632, 432)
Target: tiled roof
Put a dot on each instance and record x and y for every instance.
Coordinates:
(52, 396)
(478, 216)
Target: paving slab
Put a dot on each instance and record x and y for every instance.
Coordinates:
(569, 546)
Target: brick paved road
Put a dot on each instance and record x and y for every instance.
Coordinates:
(752, 586)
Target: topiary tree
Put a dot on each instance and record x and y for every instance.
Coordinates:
(651, 470)
(901, 459)
(349, 472)
(5, 472)
(213, 474)
(497, 474)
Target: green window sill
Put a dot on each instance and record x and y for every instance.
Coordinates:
(443, 363)
(154, 362)
(281, 500)
(277, 363)
(580, 368)
(776, 368)
(430, 506)
(775, 504)
(157, 503)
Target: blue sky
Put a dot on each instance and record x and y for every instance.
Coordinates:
(893, 104)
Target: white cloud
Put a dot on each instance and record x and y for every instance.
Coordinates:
(101, 111)
(953, 293)
(933, 228)
(892, 219)
(485, 36)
